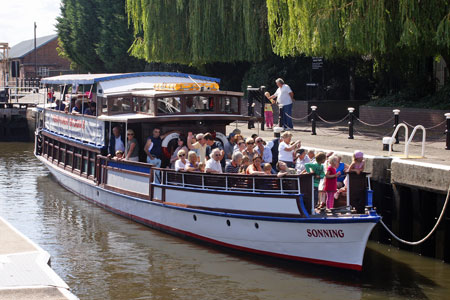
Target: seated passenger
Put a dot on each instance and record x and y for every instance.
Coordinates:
(213, 164)
(190, 105)
(301, 160)
(132, 152)
(77, 108)
(255, 168)
(283, 169)
(244, 164)
(119, 155)
(250, 150)
(60, 105)
(235, 163)
(91, 110)
(267, 169)
(192, 163)
(263, 150)
(240, 146)
(201, 167)
(180, 164)
(181, 146)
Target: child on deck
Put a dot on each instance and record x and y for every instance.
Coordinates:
(358, 163)
(331, 180)
(316, 168)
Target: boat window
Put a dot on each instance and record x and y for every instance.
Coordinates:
(84, 165)
(201, 103)
(77, 159)
(91, 163)
(119, 105)
(62, 153)
(104, 106)
(69, 156)
(229, 105)
(144, 105)
(169, 105)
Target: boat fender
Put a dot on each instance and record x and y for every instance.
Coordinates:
(165, 143)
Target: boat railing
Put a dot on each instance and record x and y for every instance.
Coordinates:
(137, 177)
(270, 184)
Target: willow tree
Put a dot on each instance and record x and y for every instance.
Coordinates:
(364, 27)
(199, 31)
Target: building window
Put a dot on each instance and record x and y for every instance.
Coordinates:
(43, 71)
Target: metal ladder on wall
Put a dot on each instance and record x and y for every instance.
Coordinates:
(408, 141)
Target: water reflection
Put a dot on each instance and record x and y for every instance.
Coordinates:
(103, 256)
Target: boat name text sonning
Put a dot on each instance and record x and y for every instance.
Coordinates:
(330, 233)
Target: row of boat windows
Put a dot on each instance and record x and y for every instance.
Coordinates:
(170, 105)
(71, 158)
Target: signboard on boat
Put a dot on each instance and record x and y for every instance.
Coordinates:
(78, 127)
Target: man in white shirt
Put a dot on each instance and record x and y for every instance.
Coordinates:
(115, 142)
(213, 164)
(285, 97)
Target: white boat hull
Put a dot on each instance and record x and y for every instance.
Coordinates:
(338, 242)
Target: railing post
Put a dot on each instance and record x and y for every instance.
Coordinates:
(313, 119)
(396, 122)
(350, 123)
(447, 132)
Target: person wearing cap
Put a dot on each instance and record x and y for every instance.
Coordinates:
(273, 146)
(358, 163)
(285, 98)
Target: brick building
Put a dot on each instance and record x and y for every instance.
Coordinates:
(21, 60)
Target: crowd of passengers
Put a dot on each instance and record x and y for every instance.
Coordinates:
(251, 156)
(76, 105)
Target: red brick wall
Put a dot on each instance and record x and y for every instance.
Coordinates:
(46, 56)
(413, 116)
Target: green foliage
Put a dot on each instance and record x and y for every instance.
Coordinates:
(410, 98)
(199, 32)
(94, 35)
(366, 27)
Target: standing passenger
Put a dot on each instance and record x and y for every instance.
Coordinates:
(153, 148)
(316, 168)
(200, 145)
(132, 152)
(115, 142)
(331, 181)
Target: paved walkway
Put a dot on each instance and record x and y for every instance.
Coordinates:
(24, 269)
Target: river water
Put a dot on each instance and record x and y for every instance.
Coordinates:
(104, 256)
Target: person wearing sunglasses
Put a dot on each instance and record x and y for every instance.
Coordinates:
(213, 164)
(181, 146)
(199, 145)
(132, 152)
(180, 164)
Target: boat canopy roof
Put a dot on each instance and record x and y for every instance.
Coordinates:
(95, 78)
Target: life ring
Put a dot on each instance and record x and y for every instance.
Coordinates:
(221, 137)
(165, 143)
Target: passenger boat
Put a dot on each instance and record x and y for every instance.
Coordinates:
(265, 215)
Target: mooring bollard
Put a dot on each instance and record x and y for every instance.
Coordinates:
(313, 120)
(396, 121)
(447, 132)
(350, 122)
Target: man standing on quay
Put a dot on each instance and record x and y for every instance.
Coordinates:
(285, 97)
